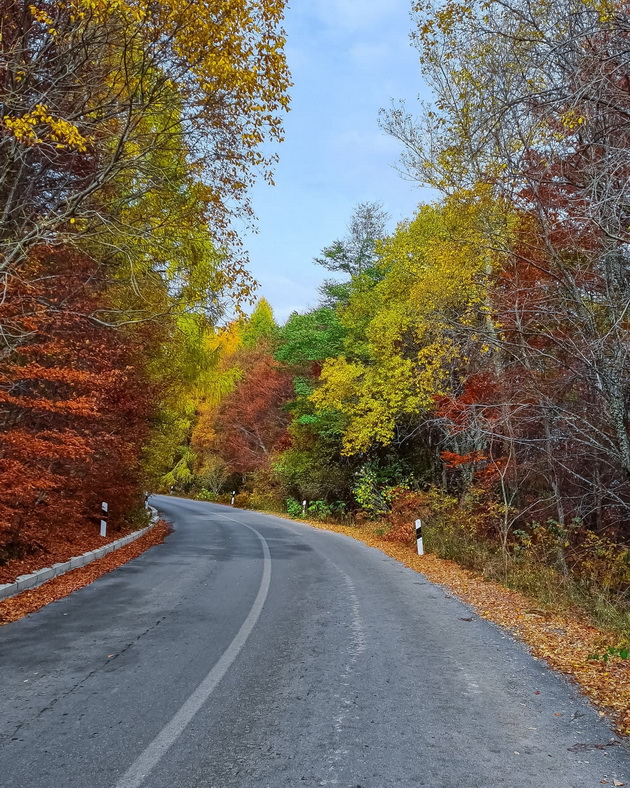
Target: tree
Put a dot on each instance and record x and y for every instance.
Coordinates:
(310, 338)
(260, 327)
(75, 405)
(251, 422)
(357, 251)
(129, 135)
(405, 334)
(546, 131)
(91, 90)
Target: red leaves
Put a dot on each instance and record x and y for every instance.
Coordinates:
(28, 602)
(252, 421)
(74, 408)
(452, 460)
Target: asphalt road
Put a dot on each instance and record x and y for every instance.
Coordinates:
(252, 651)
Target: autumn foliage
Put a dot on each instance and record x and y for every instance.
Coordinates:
(74, 406)
(130, 133)
(251, 422)
(472, 365)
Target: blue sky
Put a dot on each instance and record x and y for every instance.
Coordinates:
(348, 58)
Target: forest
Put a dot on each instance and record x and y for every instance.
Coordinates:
(470, 367)
(129, 135)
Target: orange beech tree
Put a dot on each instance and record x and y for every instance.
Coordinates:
(251, 422)
(74, 406)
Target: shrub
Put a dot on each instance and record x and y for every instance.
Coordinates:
(294, 508)
(206, 495)
(241, 500)
(265, 501)
(320, 510)
(406, 507)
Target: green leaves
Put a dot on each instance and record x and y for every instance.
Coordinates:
(612, 651)
(314, 336)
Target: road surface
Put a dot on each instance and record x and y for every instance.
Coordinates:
(253, 651)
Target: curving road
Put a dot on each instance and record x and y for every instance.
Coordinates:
(253, 651)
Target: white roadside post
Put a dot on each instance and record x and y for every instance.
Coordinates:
(233, 494)
(304, 507)
(104, 513)
(419, 537)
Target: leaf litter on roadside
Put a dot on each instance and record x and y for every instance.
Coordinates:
(27, 602)
(566, 642)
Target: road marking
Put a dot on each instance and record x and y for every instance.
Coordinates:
(146, 762)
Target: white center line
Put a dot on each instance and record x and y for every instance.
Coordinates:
(146, 762)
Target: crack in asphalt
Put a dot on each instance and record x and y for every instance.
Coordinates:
(13, 735)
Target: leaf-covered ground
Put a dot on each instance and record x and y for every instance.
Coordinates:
(29, 601)
(58, 547)
(566, 642)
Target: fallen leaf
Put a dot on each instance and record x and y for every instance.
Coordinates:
(564, 640)
(27, 602)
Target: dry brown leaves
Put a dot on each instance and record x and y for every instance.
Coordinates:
(565, 641)
(29, 601)
(57, 547)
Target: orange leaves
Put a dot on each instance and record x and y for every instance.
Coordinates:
(453, 460)
(29, 601)
(252, 420)
(74, 410)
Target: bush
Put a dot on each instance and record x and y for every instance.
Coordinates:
(265, 501)
(206, 495)
(293, 507)
(320, 510)
(406, 507)
(377, 484)
(562, 566)
(241, 500)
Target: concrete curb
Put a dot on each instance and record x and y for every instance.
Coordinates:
(35, 579)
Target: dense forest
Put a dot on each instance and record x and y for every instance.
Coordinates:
(129, 134)
(470, 367)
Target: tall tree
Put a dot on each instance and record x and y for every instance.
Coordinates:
(260, 327)
(75, 404)
(356, 252)
(91, 90)
(252, 420)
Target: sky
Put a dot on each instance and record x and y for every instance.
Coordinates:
(348, 59)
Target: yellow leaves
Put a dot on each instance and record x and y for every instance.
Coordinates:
(38, 127)
(606, 9)
(407, 330)
(44, 18)
(371, 396)
(571, 120)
